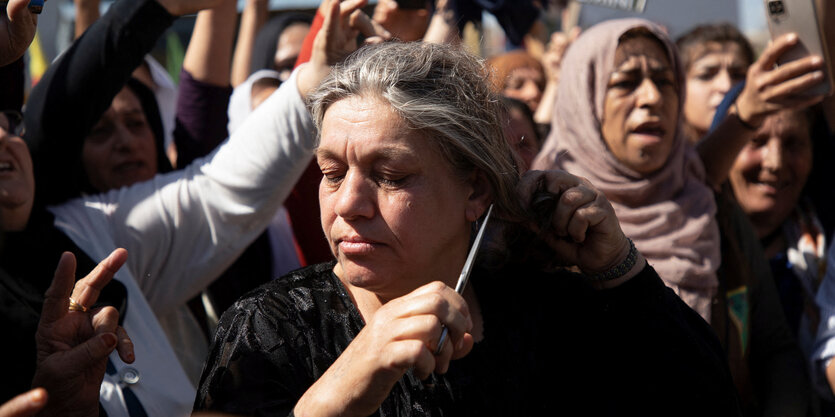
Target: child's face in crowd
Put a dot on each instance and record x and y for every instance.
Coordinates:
(120, 150)
(717, 68)
(17, 180)
(770, 172)
(640, 112)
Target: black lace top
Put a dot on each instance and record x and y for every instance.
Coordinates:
(551, 343)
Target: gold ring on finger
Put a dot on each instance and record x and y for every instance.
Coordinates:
(76, 306)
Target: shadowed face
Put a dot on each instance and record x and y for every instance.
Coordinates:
(771, 170)
(120, 150)
(640, 112)
(17, 180)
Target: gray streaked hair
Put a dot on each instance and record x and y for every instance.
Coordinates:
(441, 91)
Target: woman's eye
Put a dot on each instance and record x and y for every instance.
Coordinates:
(134, 124)
(706, 76)
(100, 134)
(391, 180)
(333, 179)
(625, 84)
(758, 142)
(332, 176)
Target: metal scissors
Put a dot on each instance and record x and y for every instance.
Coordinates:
(465, 273)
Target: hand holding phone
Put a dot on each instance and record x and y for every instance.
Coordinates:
(800, 17)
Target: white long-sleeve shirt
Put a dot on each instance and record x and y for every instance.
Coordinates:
(181, 230)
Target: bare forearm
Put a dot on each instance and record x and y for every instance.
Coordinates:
(252, 19)
(546, 106)
(442, 28)
(210, 49)
(86, 12)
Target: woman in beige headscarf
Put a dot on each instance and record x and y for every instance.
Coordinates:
(617, 123)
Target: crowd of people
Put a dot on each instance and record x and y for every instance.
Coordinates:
(281, 231)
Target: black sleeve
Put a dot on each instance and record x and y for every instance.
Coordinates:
(253, 367)
(76, 89)
(201, 118)
(641, 348)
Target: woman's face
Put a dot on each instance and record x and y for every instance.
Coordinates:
(394, 212)
(771, 170)
(120, 150)
(640, 111)
(526, 85)
(288, 47)
(521, 136)
(708, 80)
(17, 180)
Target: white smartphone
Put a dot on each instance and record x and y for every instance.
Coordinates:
(800, 16)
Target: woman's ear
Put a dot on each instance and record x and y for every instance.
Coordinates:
(480, 196)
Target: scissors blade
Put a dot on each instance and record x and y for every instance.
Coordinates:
(465, 273)
(468, 265)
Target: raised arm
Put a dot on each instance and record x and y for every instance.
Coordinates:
(203, 93)
(200, 218)
(252, 19)
(768, 89)
(91, 71)
(552, 62)
(86, 12)
(443, 26)
(17, 29)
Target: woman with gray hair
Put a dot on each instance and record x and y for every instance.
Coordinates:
(412, 153)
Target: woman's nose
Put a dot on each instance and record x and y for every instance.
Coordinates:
(354, 197)
(648, 94)
(123, 140)
(531, 91)
(773, 155)
(722, 83)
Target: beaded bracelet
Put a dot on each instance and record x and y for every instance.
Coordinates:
(621, 269)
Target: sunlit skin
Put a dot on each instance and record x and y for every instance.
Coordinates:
(525, 85)
(640, 112)
(120, 150)
(17, 180)
(404, 24)
(521, 135)
(709, 78)
(394, 213)
(771, 170)
(288, 47)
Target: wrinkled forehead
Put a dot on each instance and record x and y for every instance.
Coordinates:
(643, 46)
(696, 52)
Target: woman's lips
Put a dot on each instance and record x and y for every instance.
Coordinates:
(6, 166)
(356, 246)
(651, 131)
(129, 166)
(768, 186)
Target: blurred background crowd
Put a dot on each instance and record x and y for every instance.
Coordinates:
(723, 186)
